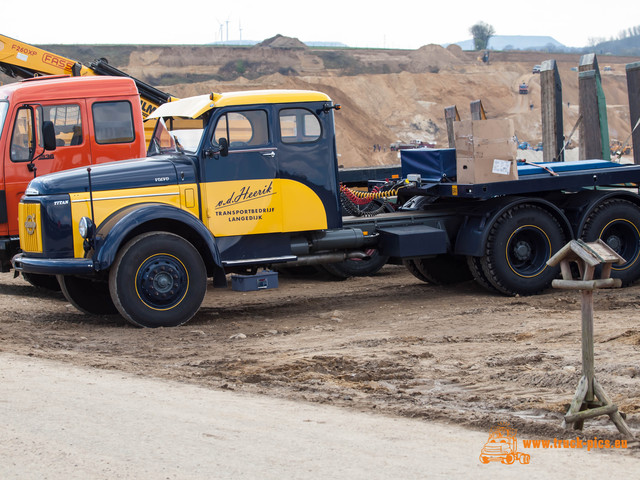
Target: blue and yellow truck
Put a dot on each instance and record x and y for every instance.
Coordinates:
(238, 182)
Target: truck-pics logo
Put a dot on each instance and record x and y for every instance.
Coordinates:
(502, 446)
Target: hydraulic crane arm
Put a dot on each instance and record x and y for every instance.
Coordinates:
(21, 60)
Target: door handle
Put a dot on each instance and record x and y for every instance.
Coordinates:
(270, 154)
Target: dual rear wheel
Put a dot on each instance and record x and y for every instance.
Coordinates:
(515, 257)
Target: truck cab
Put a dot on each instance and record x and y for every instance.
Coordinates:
(94, 120)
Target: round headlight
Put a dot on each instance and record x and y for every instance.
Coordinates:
(85, 227)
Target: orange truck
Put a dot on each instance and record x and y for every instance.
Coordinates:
(54, 123)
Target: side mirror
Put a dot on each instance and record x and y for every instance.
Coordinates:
(48, 135)
(224, 146)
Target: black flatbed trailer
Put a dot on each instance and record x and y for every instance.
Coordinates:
(502, 233)
(621, 176)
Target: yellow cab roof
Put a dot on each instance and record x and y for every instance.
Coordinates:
(193, 107)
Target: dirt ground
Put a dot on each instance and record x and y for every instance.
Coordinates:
(387, 343)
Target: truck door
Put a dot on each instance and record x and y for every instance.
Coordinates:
(241, 188)
(72, 147)
(307, 166)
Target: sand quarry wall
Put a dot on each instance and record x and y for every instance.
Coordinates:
(408, 102)
(386, 95)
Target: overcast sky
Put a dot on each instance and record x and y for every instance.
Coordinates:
(373, 23)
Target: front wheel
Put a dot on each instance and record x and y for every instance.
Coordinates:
(158, 280)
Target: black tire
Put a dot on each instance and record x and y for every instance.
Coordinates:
(301, 271)
(357, 267)
(617, 223)
(88, 296)
(445, 269)
(518, 246)
(410, 265)
(48, 282)
(475, 267)
(158, 279)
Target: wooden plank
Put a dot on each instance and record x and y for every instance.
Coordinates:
(588, 367)
(578, 399)
(587, 62)
(589, 129)
(590, 413)
(552, 119)
(477, 110)
(451, 115)
(597, 126)
(587, 284)
(633, 88)
(616, 418)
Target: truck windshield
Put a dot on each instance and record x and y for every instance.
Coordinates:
(181, 135)
(4, 107)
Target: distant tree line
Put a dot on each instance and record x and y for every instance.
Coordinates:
(626, 43)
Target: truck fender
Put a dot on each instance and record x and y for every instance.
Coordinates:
(133, 220)
(472, 235)
(579, 206)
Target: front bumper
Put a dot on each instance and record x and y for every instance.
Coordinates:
(53, 266)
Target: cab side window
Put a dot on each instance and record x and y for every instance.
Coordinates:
(67, 123)
(298, 125)
(113, 122)
(245, 129)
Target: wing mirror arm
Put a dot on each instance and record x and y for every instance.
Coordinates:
(221, 149)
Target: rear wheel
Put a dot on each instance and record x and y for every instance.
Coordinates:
(88, 296)
(410, 264)
(357, 267)
(475, 267)
(158, 280)
(445, 269)
(617, 223)
(518, 246)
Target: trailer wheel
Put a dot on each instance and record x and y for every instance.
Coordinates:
(445, 269)
(357, 267)
(88, 296)
(518, 246)
(158, 279)
(475, 267)
(48, 282)
(617, 223)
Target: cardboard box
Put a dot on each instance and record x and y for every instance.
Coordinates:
(485, 151)
(486, 170)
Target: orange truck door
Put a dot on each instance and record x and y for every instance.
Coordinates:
(73, 148)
